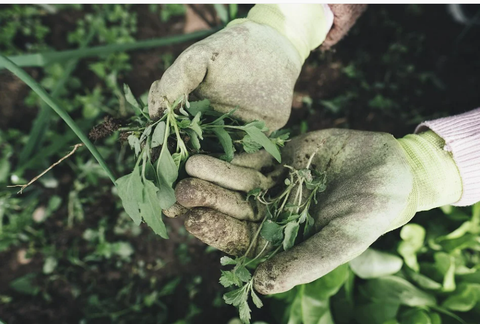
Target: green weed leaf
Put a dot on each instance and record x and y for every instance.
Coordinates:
(272, 232)
(198, 106)
(235, 297)
(259, 137)
(151, 210)
(134, 143)
(249, 145)
(226, 142)
(167, 173)
(131, 99)
(256, 300)
(158, 134)
(291, 231)
(228, 278)
(195, 125)
(130, 189)
(243, 274)
(194, 141)
(225, 260)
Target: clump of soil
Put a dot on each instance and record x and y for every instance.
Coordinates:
(104, 129)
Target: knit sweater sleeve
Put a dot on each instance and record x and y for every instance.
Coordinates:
(462, 138)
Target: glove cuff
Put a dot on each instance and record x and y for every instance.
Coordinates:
(462, 138)
(305, 25)
(437, 180)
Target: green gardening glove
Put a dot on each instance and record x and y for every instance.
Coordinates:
(375, 184)
(251, 65)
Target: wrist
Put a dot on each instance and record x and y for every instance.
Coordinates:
(437, 180)
(304, 25)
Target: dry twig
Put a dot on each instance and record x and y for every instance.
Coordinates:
(48, 169)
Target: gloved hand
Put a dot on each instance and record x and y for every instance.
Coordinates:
(251, 64)
(375, 184)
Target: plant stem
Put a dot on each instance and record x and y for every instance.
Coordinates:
(22, 75)
(44, 59)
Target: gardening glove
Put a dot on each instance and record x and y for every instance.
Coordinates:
(252, 64)
(375, 184)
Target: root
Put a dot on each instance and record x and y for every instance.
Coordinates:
(48, 169)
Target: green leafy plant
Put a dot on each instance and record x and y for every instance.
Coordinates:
(284, 215)
(180, 132)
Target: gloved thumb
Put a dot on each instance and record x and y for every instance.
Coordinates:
(184, 76)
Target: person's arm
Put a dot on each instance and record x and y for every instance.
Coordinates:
(461, 134)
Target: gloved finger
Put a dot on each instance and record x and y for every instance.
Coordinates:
(339, 242)
(175, 211)
(193, 192)
(184, 76)
(226, 174)
(258, 160)
(223, 232)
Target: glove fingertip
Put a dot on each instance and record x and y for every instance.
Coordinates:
(268, 280)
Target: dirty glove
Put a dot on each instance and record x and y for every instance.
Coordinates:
(375, 184)
(251, 64)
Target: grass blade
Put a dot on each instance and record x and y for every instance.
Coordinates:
(41, 123)
(43, 59)
(22, 75)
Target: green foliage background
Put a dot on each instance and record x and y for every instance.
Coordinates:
(68, 252)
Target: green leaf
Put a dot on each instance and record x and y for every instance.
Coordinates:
(194, 139)
(222, 12)
(26, 285)
(291, 231)
(329, 284)
(225, 260)
(244, 311)
(158, 134)
(249, 145)
(49, 265)
(396, 290)
(374, 264)
(235, 297)
(445, 263)
(272, 232)
(413, 236)
(129, 189)
(151, 210)
(131, 99)
(254, 193)
(423, 281)
(146, 133)
(256, 299)
(134, 143)
(376, 313)
(228, 278)
(263, 140)
(167, 173)
(243, 274)
(416, 316)
(195, 125)
(463, 299)
(198, 106)
(226, 142)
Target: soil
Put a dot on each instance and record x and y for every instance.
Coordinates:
(452, 58)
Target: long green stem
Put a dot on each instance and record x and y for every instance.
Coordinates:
(22, 75)
(40, 125)
(43, 59)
